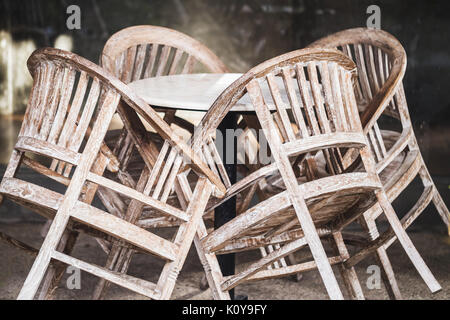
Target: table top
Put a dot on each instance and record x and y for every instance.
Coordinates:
(196, 92)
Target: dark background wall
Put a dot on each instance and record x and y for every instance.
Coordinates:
(246, 32)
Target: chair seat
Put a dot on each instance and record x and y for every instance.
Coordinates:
(329, 201)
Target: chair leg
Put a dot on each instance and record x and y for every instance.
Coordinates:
(406, 243)
(293, 261)
(56, 271)
(118, 258)
(348, 274)
(122, 265)
(387, 273)
(442, 209)
(211, 266)
(437, 199)
(317, 250)
(42, 260)
(185, 237)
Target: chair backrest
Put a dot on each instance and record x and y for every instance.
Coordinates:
(145, 51)
(318, 92)
(323, 112)
(65, 96)
(381, 62)
(59, 113)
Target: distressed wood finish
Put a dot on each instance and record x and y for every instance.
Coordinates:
(131, 54)
(141, 52)
(330, 125)
(97, 97)
(381, 62)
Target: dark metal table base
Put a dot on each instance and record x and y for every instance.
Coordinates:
(227, 211)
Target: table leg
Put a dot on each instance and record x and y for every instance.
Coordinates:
(227, 211)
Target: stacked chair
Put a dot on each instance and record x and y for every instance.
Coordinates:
(329, 170)
(326, 121)
(132, 54)
(381, 63)
(142, 52)
(69, 94)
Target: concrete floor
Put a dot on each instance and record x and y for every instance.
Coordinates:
(428, 233)
(15, 264)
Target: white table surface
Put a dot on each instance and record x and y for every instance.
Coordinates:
(193, 91)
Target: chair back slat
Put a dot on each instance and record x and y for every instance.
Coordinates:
(157, 168)
(218, 162)
(328, 97)
(151, 60)
(363, 75)
(52, 104)
(281, 107)
(176, 61)
(86, 115)
(294, 102)
(164, 173)
(68, 83)
(374, 74)
(162, 63)
(74, 110)
(318, 98)
(189, 65)
(305, 89)
(381, 62)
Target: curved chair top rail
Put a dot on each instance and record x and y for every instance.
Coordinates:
(146, 34)
(387, 43)
(237, 89)
(52, 55)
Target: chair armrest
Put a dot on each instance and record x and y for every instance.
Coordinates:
(382, 98)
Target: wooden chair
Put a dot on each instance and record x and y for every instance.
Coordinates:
(381, 63)
(302, 214)
(145, 51)
(141, 52)
(68, 94)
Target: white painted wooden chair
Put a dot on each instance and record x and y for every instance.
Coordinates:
(146, 51)
(327, 122)
(141, 52)
(381, 63)
(69, 94)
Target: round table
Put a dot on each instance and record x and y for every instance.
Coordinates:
(196, 92)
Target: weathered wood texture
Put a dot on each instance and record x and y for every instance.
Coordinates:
(141, 52)
(381, 62)
(326, 121)
(149, 51)
(131, 54)
(56, 124)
